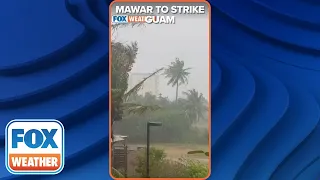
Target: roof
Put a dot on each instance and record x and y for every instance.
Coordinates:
(117, 138)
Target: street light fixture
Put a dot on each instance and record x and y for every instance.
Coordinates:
(149, 124)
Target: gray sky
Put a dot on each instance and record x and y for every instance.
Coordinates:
(159, 45)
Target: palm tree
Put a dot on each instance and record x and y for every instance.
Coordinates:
(123, 58)
(134, 107)
(177, 74)
(194, 105)
(120, 101)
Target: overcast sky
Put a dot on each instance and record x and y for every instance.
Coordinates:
(159, 45)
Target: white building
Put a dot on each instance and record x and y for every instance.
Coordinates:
(151, 85)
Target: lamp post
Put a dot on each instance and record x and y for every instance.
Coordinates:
(149, 124)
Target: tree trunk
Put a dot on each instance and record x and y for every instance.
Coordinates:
(177, 89)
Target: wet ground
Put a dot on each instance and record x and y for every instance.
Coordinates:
(175, 151)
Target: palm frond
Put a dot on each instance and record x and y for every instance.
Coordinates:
(138, 86)
(134, 108)
(116, 173)
(195, 104)
(176, 73)
(117, 26)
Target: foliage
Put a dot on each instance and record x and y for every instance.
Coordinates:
(176, 127)
(117, 174)
(195, 169)
(177, 74)
(194, 105)
(156, 157)
(136, 110)
(123, 58)
(160, 167)
(115, 27)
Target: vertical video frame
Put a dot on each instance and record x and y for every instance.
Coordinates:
(160, 89)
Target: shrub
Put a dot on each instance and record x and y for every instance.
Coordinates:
(160, 167)
(156, 157)
(195, 169)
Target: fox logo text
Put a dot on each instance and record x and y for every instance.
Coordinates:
(34, 147)
(119, 19)
(143, 19)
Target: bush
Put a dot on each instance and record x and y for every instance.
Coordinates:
(195, 169)
(160, 167)
(157, 156)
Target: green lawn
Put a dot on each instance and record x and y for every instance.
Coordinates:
(174, 150)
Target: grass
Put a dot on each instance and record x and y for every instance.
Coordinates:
(175, 151)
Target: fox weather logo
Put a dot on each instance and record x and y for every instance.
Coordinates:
(34, 146)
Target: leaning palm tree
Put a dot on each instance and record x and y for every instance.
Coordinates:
(134, 107)
(123, 58)
(120, 101)
(195, 105)
(177, 74)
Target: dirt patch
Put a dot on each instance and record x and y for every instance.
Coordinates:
(173, 151)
